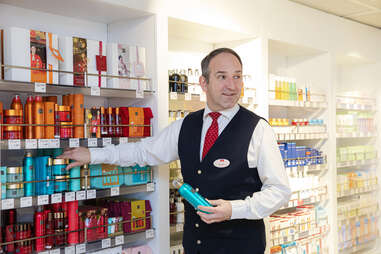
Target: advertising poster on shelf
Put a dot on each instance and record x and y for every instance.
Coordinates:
(79, 60)
(38, 56)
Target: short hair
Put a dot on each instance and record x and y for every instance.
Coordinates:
(205, 62)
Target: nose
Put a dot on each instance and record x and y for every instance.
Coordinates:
(231, 83)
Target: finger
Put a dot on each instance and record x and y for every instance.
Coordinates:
(66, 155)
(207, 209)
(74, 164)
(215, 202)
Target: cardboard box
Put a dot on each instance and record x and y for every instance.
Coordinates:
(32, 49)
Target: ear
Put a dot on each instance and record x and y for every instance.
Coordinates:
(203, 83)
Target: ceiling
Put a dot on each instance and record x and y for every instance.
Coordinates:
(364, 11)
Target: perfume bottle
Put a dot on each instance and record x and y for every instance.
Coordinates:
(190, 195)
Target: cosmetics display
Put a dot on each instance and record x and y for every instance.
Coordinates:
(355, 122)
(356, 153)
(45, 120)
(294, 156)
(66, 223)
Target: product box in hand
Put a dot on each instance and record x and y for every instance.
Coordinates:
(106, 176)
(136, 116)
(31, 49)
(126, 61)
(136, 211)
(83, 55)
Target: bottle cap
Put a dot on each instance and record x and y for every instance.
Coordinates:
(177, 183)
(38, 98)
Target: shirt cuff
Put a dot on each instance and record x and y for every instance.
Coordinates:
(239, 209)
(96, 155)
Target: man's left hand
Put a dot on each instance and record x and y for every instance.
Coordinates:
(221, 211)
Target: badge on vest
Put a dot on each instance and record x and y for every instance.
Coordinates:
(221, 163)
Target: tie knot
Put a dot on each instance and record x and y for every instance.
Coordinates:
(214, 115)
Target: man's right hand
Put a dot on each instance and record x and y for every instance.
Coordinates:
(80, 156)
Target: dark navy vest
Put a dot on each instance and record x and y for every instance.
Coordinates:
(234, 182)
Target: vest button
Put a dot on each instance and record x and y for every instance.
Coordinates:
(199, 172)
(197, 189)
(198, 242)
(196, 225)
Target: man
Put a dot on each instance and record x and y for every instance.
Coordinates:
(227, 153)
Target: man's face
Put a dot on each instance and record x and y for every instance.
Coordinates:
(225, 82)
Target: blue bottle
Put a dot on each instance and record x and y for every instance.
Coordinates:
(28, 173)
(190, 195)
(43, 170)
(75, 184)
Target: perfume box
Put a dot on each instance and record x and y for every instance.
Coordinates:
(31, 49)
(96, 63)
(83, 56)
(118, 64)
(106, 176)
(126, 61)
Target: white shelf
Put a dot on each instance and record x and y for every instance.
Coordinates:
(27, 87)
(356, 135)
(356, 163)
(356, 192)
(301, 136)
(298, 104)
(361, 107)
(100, 193)
(63, 143)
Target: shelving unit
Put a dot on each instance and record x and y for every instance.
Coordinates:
(294, 64)
(114, 23)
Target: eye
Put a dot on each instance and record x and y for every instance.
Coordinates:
(222, 77)
(237, 76)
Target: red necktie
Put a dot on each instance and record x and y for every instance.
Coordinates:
(211, 134)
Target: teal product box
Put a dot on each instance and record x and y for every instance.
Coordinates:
(3, 179)
(137, 175)
(75, 184)
(106, 176)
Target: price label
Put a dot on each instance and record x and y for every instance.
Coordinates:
(115, 191)
(7, 204)
(14, 144)
(25, 202)
(188, 96)
(56, 251)
(150, 233)
(123, 140)
(179, 227)
(92, 142)
(81, 195)
(40, 87)
(173, 96)
(106, 243)
(54, 143)
(106, 141)
(43, 200)
(74, 142)
(30, 143)
(70, 250)
(150, 187)
(56, 198)
(119, 240)
(139, 91)
(95, 91)
(80, 248)
(44, 252)
(202, 96)
(245, 100)
(43, 143)
(69, 196)
(91, 194)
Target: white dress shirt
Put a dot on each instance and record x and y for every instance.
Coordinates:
(263, 153)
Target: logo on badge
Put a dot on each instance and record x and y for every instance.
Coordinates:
(221, 163)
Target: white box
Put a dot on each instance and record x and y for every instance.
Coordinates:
(118, 64)
(138, 67)
(18, 45)
(94, 49)
(66, 46)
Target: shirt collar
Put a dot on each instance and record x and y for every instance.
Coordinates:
(227, 113)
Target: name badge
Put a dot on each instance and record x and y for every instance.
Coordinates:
(221, 163)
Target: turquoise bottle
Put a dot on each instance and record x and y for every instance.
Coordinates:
(28, 173)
